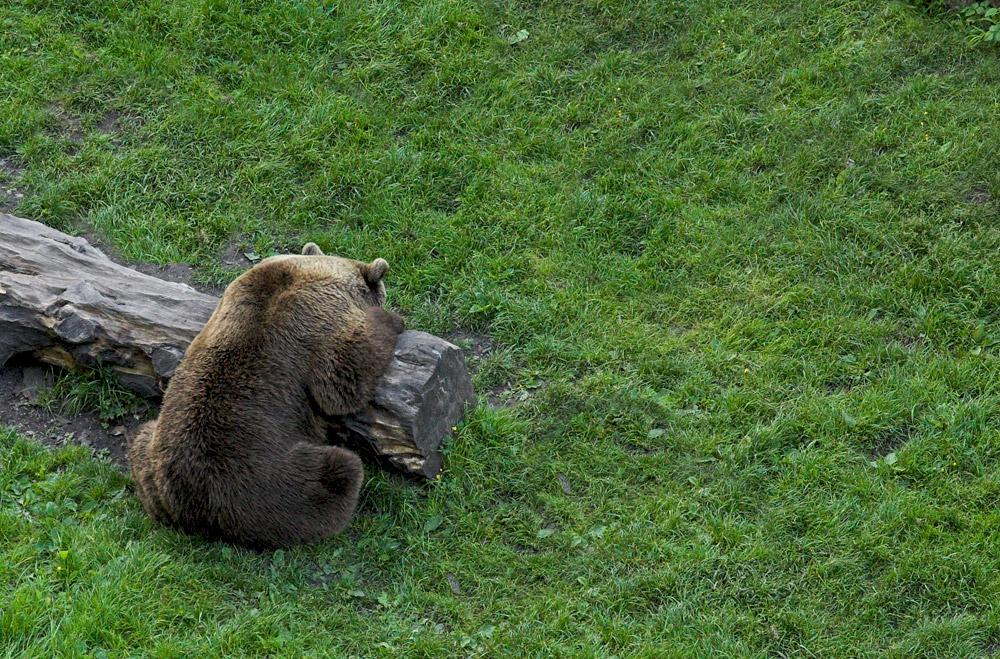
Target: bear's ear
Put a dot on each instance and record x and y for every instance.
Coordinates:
(374, 271)
(312, 249)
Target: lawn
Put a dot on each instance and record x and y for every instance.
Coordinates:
(727, 273)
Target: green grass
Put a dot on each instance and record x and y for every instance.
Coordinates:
(748, 250)
(98, 390)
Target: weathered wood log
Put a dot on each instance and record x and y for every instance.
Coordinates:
(422, 396)
(68, 304)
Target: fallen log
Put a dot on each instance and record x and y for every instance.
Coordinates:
(68, 304)
(420, 399)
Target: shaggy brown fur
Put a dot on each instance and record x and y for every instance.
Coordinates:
(238, 451)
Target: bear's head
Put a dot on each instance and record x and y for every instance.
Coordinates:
(362, 281)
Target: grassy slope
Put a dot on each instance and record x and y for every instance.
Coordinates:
(741, 243)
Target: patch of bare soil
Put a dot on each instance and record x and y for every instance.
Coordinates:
(181, 273)
(11, 166)
(235, 257)
(497, 395)
(10, 195)
(909, 341)
(69, 128)
(980, 196)
(474, 344)
(10, 199)
(500, 395)
(18, 382)
(114, 123)
(477, 348)
(890, 442)
(111, 122)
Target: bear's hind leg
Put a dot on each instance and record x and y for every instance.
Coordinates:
(315, 500)
(143, 472)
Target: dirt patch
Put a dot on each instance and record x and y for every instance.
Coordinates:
(497, 395)
(456, 588)
(478, 347)
(402, 133)
(909, 341)
(234, 257)
(980, 196)
(564, 483)
(114, 123)
(840, 385)
(11, 166)
(500, 395)
(110, 122)
(54, 428)
(10, 198)
(634, 449)
(69, 126)
(890, 441)
(474, 344)
(10, 195)
(179, 273)
(524, 550)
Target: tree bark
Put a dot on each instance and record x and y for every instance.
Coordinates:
(68, 304)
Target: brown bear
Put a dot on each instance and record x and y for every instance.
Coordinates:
(237, 453)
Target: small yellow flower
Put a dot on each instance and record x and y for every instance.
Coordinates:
(59, 567)
(954, 464)
(454, 427)
(746, 370)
